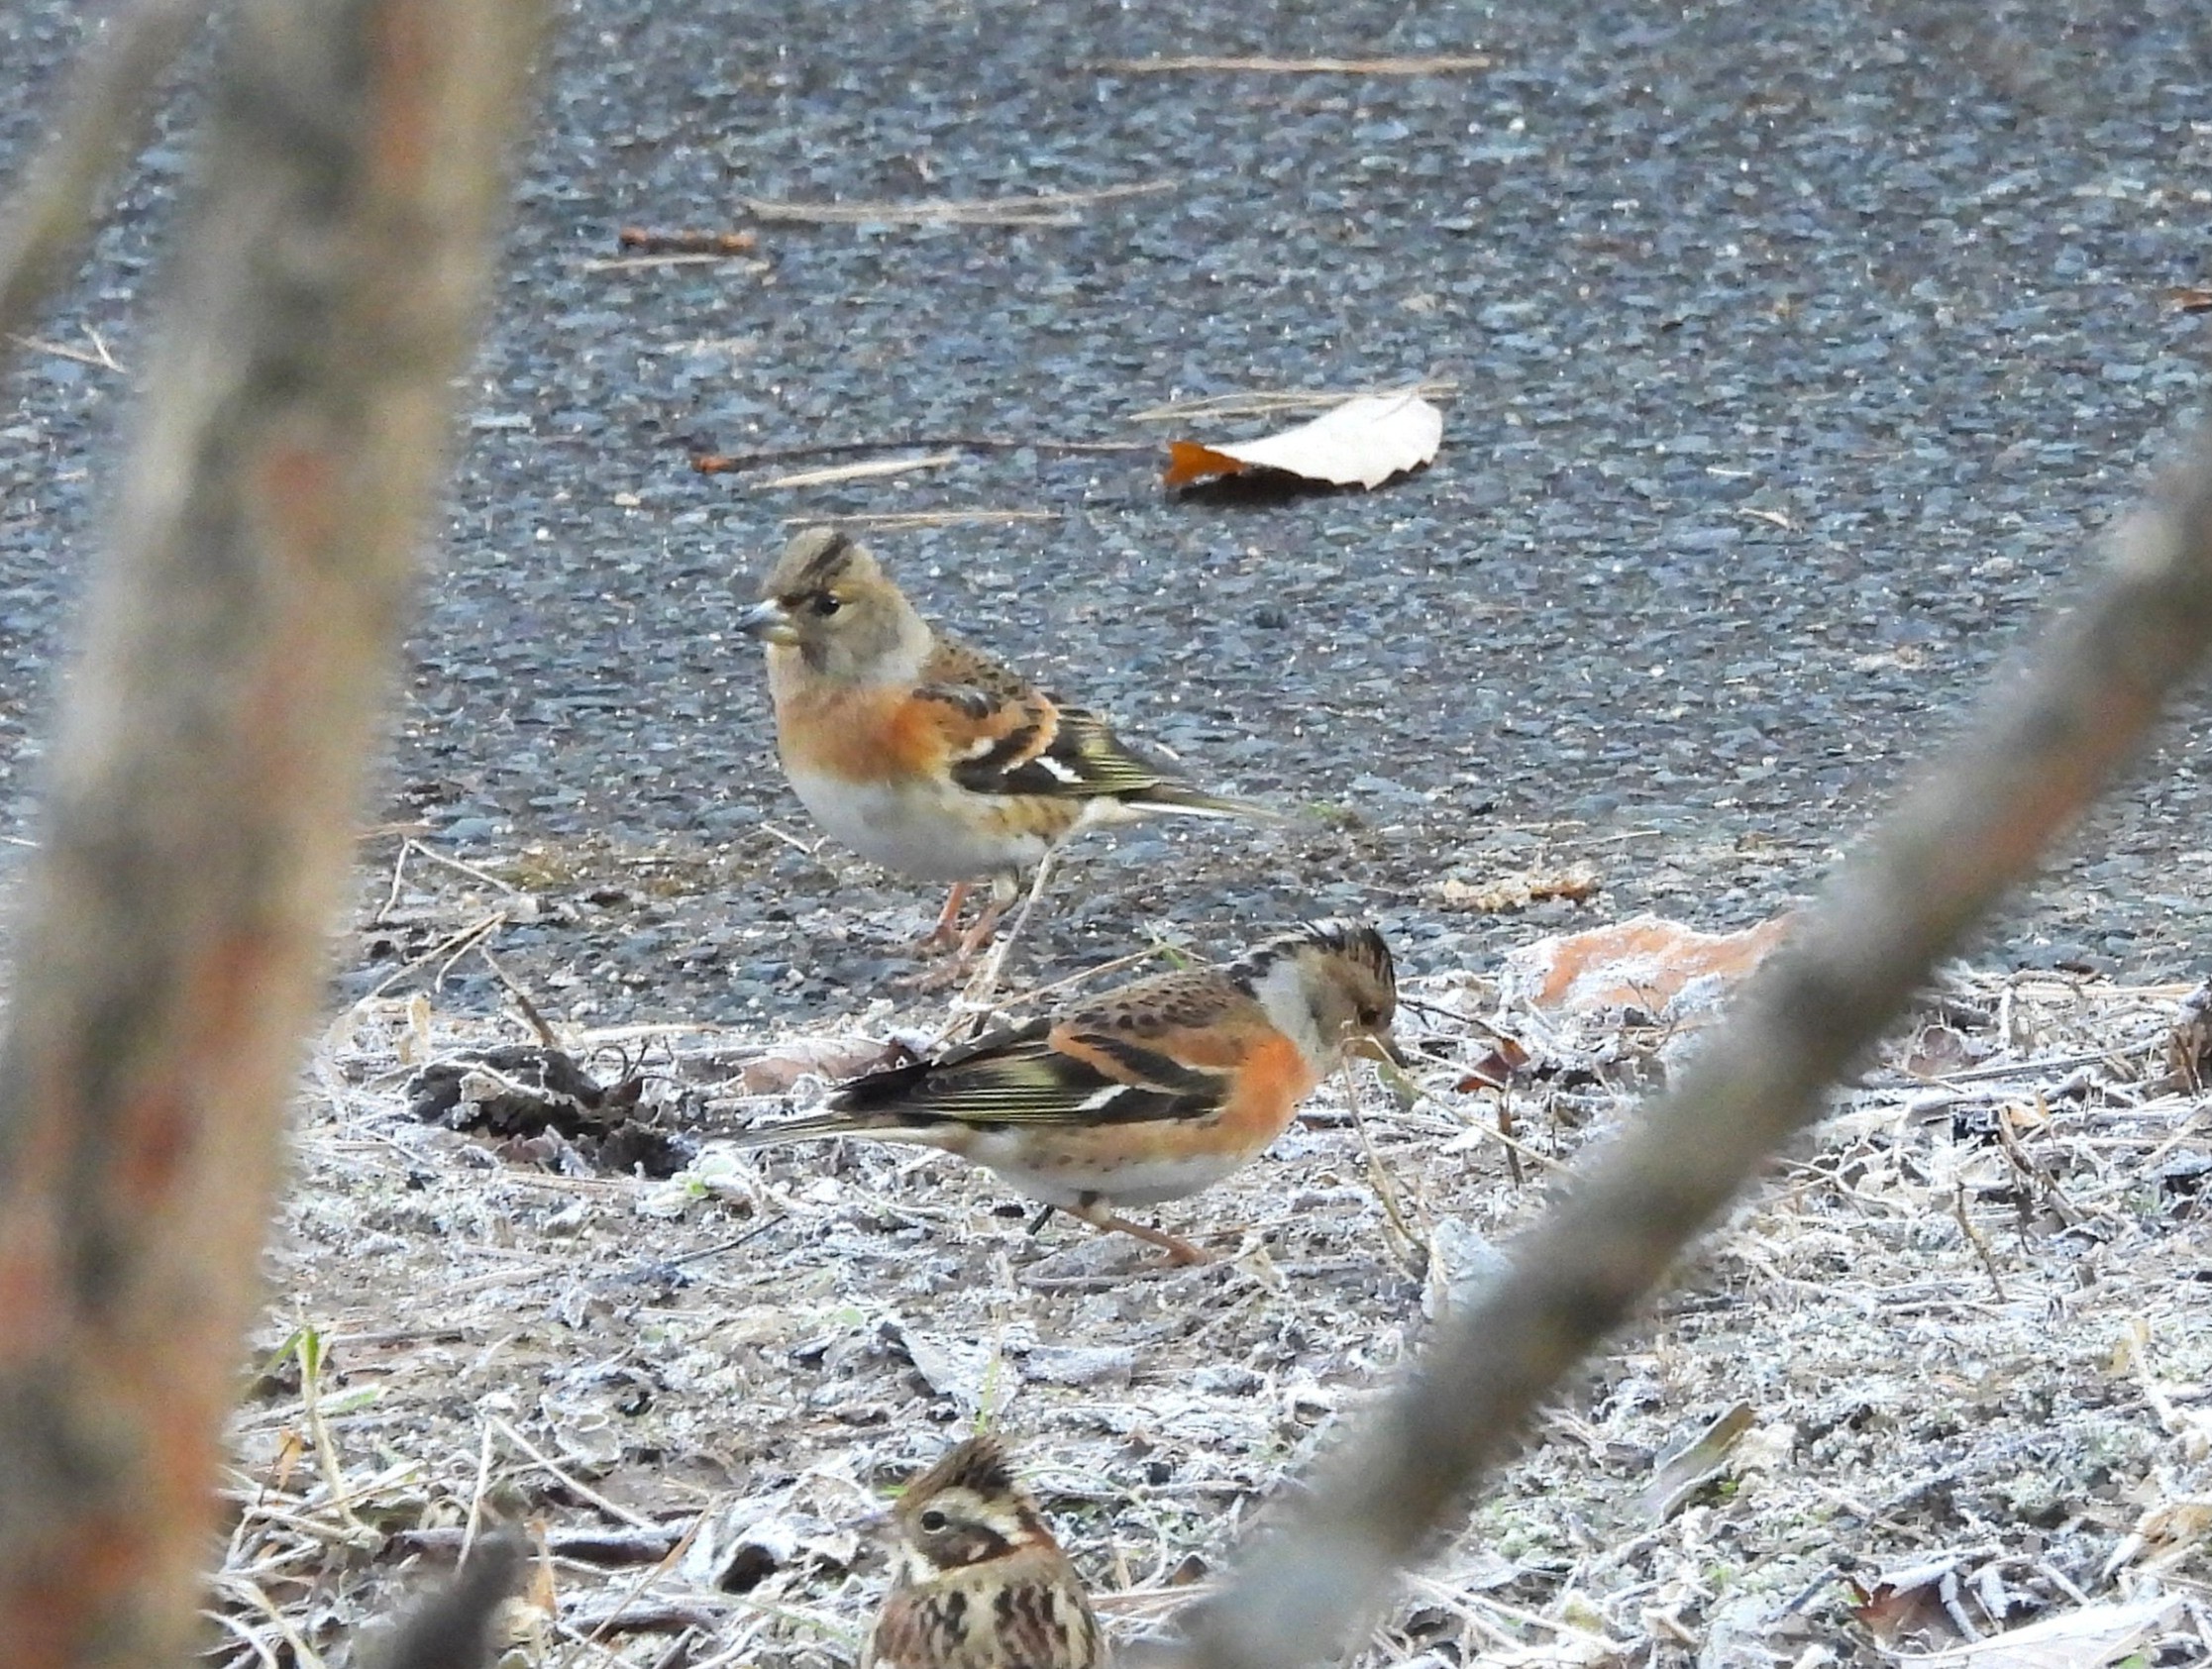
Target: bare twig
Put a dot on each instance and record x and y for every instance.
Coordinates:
(1049, 208)
(1973, 826)
(240, 640)
(1438, 64)
(931, 518)
(723, 464)
(567, 1480)
(1978, 1240)
(836, 473)
(99, 118)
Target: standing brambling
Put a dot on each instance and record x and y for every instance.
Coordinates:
(980, 1584)
(1146, 1092)
(924, 755)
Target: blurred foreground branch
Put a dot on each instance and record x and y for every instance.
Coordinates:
(99, 115)
(453, 1629)
(1974, 826)
(240, 639)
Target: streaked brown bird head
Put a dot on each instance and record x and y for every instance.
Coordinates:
(829, 600)
(967, 1510)
(1329, 985)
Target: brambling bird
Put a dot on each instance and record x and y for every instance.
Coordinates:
(1146, 1092)
(980, 1582)
(926, 757)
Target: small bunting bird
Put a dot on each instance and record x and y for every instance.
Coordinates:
(1146, 1092)
(926, 757)
(980, 1583)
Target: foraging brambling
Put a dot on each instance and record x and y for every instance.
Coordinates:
(924, 755)
(980, 1584)
(1146, 1092)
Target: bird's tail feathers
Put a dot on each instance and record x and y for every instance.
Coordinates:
(1192, 802)
(819, 1125)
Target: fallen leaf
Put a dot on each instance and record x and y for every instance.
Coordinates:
(1462, 1261)
(1694, 1464)
(831, 1058)
(1364, 443)
(2193, 298)
(973, 1377)
(2087, 1638)
(1908, 1603)
(1577, 883)
(2188, 1048)
(1647, 963)
(1496, 1069)
(1936, 1050)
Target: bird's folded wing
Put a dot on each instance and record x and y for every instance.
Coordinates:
(1005, 737)
(1034, 1078)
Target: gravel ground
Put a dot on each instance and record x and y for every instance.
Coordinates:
(1956, 1353)
(1800, 353)
(1800, 349)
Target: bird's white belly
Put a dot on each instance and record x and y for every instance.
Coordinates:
(1130, 1183)
(930, 832)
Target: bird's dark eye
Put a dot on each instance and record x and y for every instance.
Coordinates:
(823, 603)
(934, 1521)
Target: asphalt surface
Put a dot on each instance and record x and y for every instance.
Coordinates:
(1800, 351)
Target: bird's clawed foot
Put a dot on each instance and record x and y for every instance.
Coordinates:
(945, 933)
(1178, 1249)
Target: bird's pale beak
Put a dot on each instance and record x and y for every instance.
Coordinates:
(769, 621)
(1381, 1046)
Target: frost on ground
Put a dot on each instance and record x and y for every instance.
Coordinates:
(1945, 1377)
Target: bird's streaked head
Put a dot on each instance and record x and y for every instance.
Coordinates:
(966, 1510)
(1329, 985)
(830, 601)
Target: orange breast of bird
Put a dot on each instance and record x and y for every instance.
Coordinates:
(864, 735)
(1269, 1082)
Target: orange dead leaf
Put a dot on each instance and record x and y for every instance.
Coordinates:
(1361, 443)
(1189, 461)
(1647, 963)
(1496, 1069)
(1908, 1606)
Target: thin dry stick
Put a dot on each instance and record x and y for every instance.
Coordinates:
(1437, 65)
(977, 998)
(1972, 827)
(720, 463)
(240, 640)
(1976, 1240)
(1411, 1246)
(930, 518)
(837, 473)
(99, 118)
(581, 1491)
(1050, 208)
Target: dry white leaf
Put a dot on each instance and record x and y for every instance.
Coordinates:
(1364, 443)
(2088, 1638)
